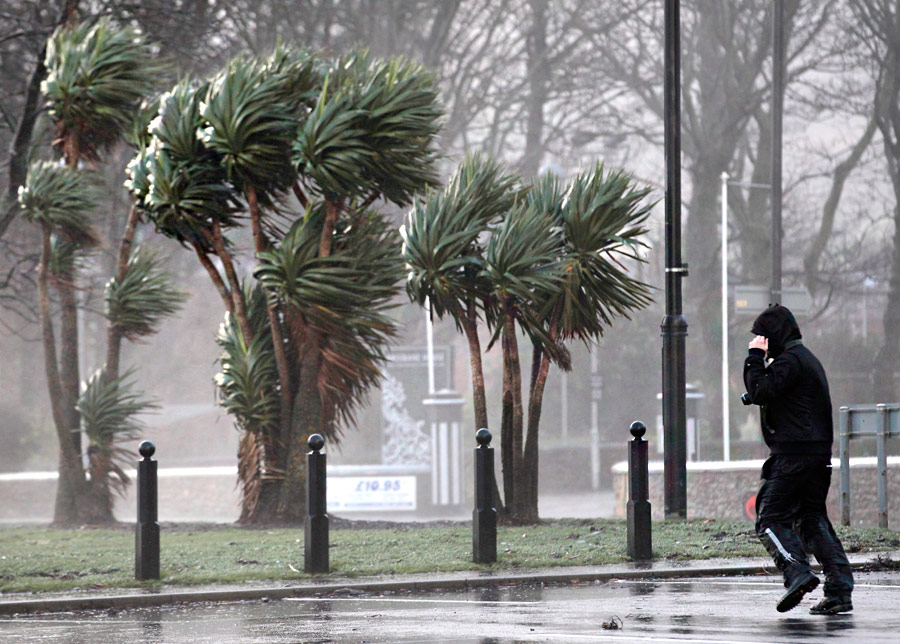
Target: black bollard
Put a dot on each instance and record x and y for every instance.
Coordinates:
(484, 516)
(639, 531)
(316, 525)
(146, 537)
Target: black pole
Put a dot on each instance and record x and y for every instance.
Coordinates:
(638, 507)
(674, 325)
(484, 516)
(315, 553)
(146, 536)
(775, 296)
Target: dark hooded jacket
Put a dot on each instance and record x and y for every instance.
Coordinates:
(792, 390)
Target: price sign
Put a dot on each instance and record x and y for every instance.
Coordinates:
(371, 493)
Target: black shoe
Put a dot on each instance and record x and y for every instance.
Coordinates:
(803, 583)
(832, 606)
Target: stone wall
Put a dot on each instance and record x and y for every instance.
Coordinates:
(207, 495)
(726, 490)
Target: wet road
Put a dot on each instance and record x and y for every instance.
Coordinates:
(726, 610)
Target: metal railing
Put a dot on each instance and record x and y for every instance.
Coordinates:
(867, 421)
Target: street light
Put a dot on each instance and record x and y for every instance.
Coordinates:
(777, 111)
(674, 325)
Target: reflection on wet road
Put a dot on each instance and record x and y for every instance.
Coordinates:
(725, 610)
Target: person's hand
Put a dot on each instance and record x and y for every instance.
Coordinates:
(760, 342)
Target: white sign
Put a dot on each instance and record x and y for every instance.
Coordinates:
(371, 493)
(754, 299)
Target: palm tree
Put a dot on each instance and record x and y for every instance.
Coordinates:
(522, 259)
(542, 259)
(600, 216)
(443, 247)
(58, 199)
(338, 135)
(97, 77)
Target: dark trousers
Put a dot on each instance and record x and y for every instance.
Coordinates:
(791, 519)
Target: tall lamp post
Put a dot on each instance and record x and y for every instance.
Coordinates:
(726, 409)
(777, 110)
(674, 324)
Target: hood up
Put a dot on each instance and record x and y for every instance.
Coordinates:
(777, 324)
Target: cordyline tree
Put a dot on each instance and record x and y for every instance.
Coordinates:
(543, 259)
(303, 341)
(97, 77)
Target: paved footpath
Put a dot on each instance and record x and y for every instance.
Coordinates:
(711, 601)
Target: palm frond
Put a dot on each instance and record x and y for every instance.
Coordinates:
(344, 298)
(138, 135)
(249, 128)
(247, 381)
(354, 281)
(109, 409)
(174, 128)
(371, 131)
(145, 295)
(109, 413)
(602, 216)
(97, 75)
(400, 103)
(65, 259)
(177, 181)
(547, 196)
(137, 178)
(183, 200)
(62, 198)
(331, 152)
(523, 256)
(297, 76)
(441, 236)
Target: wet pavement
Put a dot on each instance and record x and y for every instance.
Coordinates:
(733, 610)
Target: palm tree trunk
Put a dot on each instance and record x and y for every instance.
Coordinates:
(281, 361)
(332, 210)
(237, 295)
(470, 327)
(307, 413)
(535, 403)
(71, 477)
(512, 366)
(216, 278)
(70, 377)
(113, 332)
(99, 501)
(540, 368)
(506, 442)
(306, 419)
(479, 399)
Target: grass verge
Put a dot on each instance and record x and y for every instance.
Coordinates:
(36, 559)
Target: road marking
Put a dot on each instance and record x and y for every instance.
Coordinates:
(724, 582)
(410, 600)
(646, 637)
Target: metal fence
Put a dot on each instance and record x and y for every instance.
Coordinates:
(867, 421)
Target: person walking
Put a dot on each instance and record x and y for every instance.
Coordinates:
(788, 382)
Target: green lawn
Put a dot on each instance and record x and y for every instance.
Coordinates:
(46, 559)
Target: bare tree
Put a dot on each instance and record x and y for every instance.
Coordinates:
(878, 24)
(726, 81)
